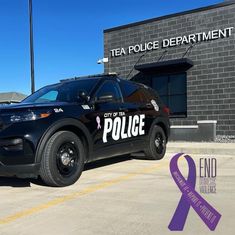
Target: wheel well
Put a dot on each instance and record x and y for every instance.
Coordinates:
(163, 127)
(80, 134)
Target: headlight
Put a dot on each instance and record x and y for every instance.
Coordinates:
(29, 116)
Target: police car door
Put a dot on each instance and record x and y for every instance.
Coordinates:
(107, 117)
(137, 126)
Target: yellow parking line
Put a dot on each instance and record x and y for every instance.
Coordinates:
(57, 201)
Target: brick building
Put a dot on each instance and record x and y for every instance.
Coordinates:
(188, 57)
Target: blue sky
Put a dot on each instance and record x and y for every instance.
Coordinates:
(68, 35)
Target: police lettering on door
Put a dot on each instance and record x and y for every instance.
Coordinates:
(120, 126)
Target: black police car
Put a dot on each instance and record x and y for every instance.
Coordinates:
(57, 129)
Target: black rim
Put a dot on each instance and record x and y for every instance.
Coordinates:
(159, 142)
(67, 159)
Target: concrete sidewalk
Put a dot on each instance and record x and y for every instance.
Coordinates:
(201, 148)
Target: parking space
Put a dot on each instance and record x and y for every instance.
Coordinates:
(115, 196)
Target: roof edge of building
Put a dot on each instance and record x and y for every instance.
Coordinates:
(223, 4)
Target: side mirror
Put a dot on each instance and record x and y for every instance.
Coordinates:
(84, 96)
(105, 98)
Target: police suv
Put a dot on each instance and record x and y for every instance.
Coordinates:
(59, 128)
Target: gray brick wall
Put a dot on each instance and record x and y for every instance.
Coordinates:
(210, 82)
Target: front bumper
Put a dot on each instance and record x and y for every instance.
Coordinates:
(16, 151)
(18, 143)
(17, 158)
(21, 171)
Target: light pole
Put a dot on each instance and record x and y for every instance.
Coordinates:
(31, 46)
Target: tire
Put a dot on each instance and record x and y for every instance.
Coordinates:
(63, 159)
(156, 148)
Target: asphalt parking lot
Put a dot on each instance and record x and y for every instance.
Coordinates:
(116, 196)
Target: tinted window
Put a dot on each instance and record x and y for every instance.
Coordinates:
(62, 92)
(128, 90)
(132, 92)
(151, 94)
(109, 88)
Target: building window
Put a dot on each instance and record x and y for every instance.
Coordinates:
(172, 89)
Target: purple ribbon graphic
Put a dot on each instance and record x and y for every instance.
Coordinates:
(190, 197)
(98, 122)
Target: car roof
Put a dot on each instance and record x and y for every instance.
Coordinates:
(104, 76)
(89, 77)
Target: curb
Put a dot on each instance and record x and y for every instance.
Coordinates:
(201, 148)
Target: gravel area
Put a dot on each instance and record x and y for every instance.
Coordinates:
(225, 139)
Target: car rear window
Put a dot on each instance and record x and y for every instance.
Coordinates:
(138, 93)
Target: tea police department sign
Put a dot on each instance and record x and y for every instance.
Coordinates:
(174, 41)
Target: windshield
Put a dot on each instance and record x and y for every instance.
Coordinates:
(62, 92)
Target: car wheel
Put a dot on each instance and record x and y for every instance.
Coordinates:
(156, 147)
(63, 159)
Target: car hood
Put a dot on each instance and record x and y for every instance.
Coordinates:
(30, 106)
